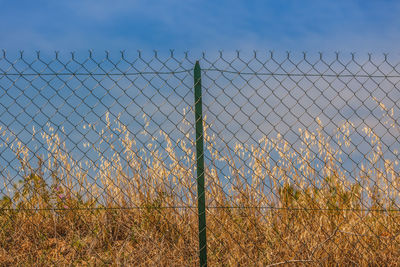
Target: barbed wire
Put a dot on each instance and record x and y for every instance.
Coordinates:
(195, 207)
(205, 69)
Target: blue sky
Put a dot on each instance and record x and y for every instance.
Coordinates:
(200, 25)
(188, 25)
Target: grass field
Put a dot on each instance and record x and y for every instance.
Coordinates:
(141, 209)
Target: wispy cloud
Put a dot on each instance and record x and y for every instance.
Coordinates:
(200, 25)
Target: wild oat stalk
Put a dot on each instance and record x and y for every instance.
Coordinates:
(135, 204)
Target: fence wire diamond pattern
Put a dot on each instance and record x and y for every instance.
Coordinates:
(98, 159)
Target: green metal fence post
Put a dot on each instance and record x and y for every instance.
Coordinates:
(201, 199)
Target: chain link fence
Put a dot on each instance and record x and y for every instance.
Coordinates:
(98, 159)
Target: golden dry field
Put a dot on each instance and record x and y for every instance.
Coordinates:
(141, 207)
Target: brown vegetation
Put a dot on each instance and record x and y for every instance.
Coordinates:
(140, 209)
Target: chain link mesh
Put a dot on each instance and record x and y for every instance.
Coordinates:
(97, 158)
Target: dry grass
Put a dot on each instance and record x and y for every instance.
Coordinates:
(140, 208)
